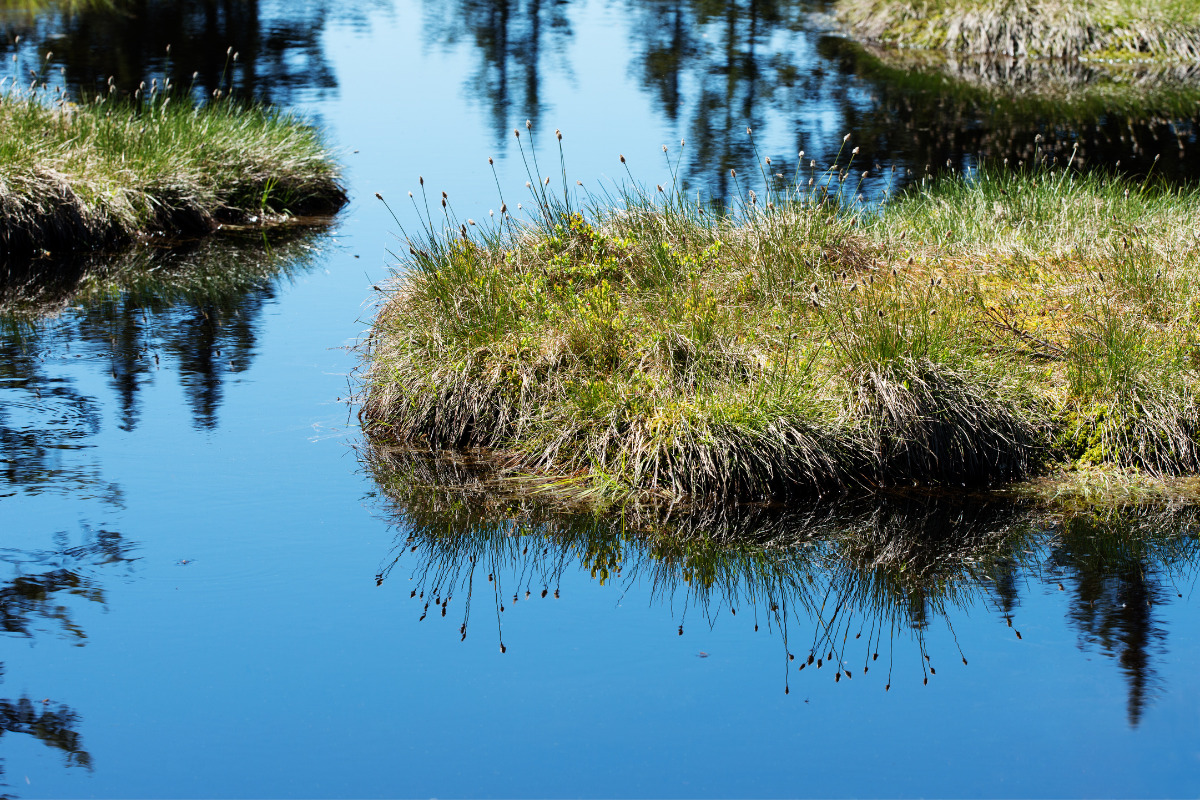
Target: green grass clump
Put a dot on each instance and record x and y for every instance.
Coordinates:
(974, 330)
(78, 176)
(1102, 29)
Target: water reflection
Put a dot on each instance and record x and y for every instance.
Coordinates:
(712, 69)
(844, 584)
(927, 110)
(191, 310)
(279, 45)
(37, 597)
(512, 38)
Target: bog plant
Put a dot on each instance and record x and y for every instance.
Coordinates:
(970, 331)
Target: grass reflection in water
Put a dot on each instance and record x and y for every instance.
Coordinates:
(847, 583)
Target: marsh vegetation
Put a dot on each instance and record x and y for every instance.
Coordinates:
(1101, 29)
(973, 330)
(105, 170)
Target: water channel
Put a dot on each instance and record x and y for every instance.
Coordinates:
(211, 586)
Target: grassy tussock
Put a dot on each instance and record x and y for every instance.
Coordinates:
(975, 331)
(81, 176)
(1105, 29)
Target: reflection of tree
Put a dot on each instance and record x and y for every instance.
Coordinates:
(54, 726)
(728, 53)
(512, 37)
(41, 420)
(279, 48)
(853, 574)
(1121, 567)
(927, 113)
(197, 307)
(29, 599)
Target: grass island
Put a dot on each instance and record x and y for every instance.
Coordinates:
(100, 173)
(1117, 30)
(974, 330)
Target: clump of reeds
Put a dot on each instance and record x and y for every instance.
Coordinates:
(1110, 29)
(80, 175)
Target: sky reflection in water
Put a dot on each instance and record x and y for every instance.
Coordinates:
(213, 592)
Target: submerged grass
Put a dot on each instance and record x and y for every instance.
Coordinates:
(1100, 29)
(976, 330)
(101, 172)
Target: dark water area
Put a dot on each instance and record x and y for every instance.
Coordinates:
(211, 586)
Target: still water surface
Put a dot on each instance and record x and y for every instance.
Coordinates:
(211, 588)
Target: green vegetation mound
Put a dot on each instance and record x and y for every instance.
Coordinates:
(1105, 29)
(77, 177)
(976, 330)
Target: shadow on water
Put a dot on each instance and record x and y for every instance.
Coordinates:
(193, 310)
(36, 598)
(847, 584)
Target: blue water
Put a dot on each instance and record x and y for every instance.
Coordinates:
(207, 539)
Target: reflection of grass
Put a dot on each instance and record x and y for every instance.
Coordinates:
(75, 176)
(212, 272)
(840, 581)
(1113, 29)
(967, 333)
(1027, 87)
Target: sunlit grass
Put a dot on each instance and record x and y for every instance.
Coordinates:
(1109, 29)
(971, 331)
(75, 176)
